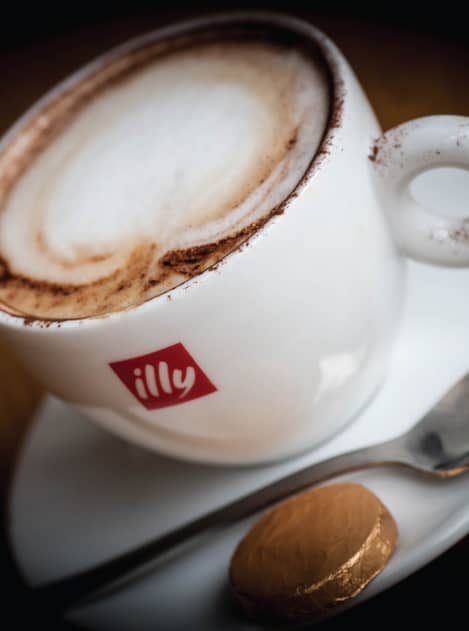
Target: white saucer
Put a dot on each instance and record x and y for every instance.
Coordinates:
(80, 495)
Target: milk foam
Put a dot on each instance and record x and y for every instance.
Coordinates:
(190, 149)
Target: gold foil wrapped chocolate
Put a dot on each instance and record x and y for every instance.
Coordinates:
(312, 552)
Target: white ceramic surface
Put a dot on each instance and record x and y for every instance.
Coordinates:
(419, 146)
(80, 495)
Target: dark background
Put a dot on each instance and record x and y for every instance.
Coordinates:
(21, 23)
(413, 60)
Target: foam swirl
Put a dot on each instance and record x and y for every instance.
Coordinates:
(158, 176)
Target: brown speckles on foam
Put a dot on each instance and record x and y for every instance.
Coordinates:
(193, 260)
(152, 282)
(146, 273)
(5, 274)
(51, 301)
(143, 276)
(290, 144)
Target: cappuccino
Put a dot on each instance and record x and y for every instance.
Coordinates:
(152, 167)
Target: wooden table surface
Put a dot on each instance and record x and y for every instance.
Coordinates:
(408, 70)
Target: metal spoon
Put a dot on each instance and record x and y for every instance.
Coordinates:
(438, 445)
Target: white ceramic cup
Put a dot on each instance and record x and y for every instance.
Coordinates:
(274, 350)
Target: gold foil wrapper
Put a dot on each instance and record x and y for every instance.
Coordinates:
(312, 552)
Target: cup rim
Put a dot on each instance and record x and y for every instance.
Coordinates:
(330, 57)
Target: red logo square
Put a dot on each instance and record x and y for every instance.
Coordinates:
(165, 377)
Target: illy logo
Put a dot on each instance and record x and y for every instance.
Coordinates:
(165, 377)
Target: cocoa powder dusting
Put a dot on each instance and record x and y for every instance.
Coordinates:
(374, 153)
(144, 275)
(4, 271)
(193, 260)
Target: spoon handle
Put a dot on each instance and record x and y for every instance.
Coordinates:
(105, 578)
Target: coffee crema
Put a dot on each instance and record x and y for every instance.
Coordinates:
(150, 169)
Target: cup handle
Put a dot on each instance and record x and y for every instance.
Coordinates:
(403, 153)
